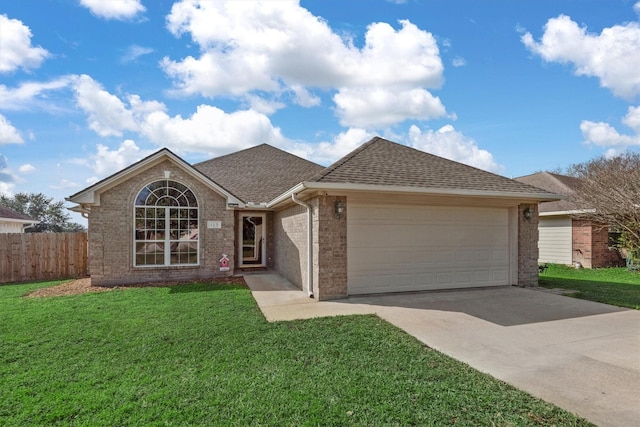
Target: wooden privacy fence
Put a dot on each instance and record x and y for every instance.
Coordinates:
(42, 256)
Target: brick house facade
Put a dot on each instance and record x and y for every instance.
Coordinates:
(265, 209)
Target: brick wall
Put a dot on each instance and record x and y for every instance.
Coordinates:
(111, 233)
(330, 249)
(528, 246)
(290, 245)
(329, 246)
(590, 243)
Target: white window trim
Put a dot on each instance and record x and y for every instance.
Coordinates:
(167, 240)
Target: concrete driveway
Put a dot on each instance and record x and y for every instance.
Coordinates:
(579, 355)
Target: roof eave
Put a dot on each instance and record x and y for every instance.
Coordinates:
(336, 186)
(567, 212)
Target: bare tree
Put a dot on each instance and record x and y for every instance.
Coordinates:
(609, 193)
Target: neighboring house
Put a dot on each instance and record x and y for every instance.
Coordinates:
(14, 222)
(384, 218)
(564, 237)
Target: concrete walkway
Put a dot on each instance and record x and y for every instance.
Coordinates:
(580, 355)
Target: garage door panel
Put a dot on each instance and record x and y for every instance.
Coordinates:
(393, 249)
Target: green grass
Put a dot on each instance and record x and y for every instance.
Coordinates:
(203, 354)
(615, 286)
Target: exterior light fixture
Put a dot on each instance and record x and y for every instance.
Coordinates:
(527, 213)
(339, 208)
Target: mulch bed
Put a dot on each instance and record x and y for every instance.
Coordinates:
(82, 286)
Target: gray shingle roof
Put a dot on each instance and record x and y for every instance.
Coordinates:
(258, 174)
(8, 213)
(556, 183)
(382, 162)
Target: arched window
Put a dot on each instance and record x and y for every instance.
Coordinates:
(166, 225)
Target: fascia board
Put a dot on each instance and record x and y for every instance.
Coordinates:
(287, 195)
(570, 212)
(436, 191)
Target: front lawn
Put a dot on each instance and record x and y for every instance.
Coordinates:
(203, 354)
(615, 286)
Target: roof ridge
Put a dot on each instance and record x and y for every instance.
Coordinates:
(264, 144)
(231, 153)
(341, 161)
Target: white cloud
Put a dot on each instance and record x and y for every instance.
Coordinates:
(604, 135)
(303, 97)
(15, 48)
(27, 168)
(30, 94)
(458, 61)
(106, 161)
(6, 188)
(632, 119)
(453, 145)
(210, 130)
(264, 106)
(134, 52)
(281, 47)
(114, 9)
(64, 184)
(108, 115)
(380, 107)
(8, 133)
(327, 152)
(7, 179)
(611, 56)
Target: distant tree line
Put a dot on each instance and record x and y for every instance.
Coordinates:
(53, 216)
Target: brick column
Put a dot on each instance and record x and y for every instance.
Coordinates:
(330, 249)
(528, 246)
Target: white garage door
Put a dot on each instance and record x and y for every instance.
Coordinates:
(410, 248)
(554, 243)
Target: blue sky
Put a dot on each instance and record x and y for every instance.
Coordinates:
(88, 87)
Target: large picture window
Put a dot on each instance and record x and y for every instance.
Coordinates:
(166, 225)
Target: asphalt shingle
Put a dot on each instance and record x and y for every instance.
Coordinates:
(8, 213)
(559, 184)
(258, 174)
(382, 162)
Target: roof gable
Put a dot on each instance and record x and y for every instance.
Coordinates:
(381, 162)
(91, 195)
(258, 174)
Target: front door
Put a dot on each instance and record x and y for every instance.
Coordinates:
(252, 240)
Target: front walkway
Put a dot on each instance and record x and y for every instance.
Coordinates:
(580, 355)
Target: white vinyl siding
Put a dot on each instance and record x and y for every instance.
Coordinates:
(11, 227)
(411, 248)
(554, 244)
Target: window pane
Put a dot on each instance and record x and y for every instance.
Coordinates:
(162, 199)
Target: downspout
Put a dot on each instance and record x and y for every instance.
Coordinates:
(26, 227)
(309, 242)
